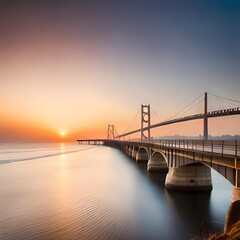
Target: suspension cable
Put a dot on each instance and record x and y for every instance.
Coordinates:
(231, 100)
(152, 110)
(185, 109)
(134, 119)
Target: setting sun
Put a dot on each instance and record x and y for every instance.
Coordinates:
(62, 134)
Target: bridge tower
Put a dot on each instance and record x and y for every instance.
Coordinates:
(145, 121)
(205, 118)
(110, 132)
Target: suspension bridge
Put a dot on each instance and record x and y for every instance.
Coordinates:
(187, 162)
(205, 107)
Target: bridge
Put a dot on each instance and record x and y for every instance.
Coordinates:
(186, 162)
(233, 108)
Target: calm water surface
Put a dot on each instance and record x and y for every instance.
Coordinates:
(70, 191)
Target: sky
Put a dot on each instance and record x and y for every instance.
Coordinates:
(73, 67)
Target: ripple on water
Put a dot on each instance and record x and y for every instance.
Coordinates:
(91, 217)
(98, 194)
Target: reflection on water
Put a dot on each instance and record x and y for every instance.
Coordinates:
(99, 193)
(14, 152)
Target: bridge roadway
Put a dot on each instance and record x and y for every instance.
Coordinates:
(219, 113)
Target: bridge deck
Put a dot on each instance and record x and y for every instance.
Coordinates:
(229, 148)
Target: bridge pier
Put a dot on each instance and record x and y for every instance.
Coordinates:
(157, 163)
(142, 155)
(126, 149)
(134, 152)
(192, 177)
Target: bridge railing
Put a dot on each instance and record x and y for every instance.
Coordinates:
(224, 147)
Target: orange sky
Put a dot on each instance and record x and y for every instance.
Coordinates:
(77, 67)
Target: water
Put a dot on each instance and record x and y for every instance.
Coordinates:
(69, 191)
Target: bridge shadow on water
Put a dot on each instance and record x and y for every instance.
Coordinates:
(186, 205)
(158, 179)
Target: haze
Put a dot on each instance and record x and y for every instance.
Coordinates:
(68, 68)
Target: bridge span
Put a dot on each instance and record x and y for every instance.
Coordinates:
(204, 112)
(187, 164)
(213, 114)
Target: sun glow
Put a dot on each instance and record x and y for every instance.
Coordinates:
(62, 133)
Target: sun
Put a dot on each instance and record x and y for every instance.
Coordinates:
(62, 133)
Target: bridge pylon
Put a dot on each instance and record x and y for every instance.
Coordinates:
(205, 118)
(145, 121)
(110, 132)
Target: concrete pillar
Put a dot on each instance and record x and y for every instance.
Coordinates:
(193, 177)
(157, 163)
(142, 156)
(134, 152)
(125, 149)
(129, 152)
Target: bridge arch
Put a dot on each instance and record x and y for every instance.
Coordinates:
(158, 162)
(227, 172)
(223, 166)
(142, 155)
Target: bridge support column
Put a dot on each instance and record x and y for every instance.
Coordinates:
(142, 156)
(134, 152)
(110, 132)
(157, 163)
(129, 151)
(192, 177)
(205, 118)
(145, 119)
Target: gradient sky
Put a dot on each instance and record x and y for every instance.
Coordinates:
(75, 66)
